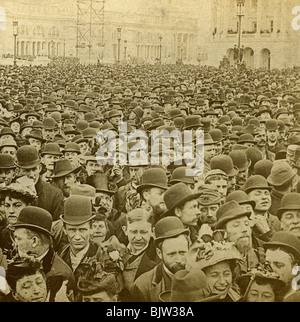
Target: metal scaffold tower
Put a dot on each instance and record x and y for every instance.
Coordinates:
(90, 30)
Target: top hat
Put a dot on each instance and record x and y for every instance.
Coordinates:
(6, 161)
(101, 183)
(27, 157)
(169, 227)
(224, 163)
(285, 240)
(77, 210)
(290, 201)
(153, 178)
(177, 195)
(229, 211)
(36, 219)
(281, 173)
(63, 168)
(187, 286)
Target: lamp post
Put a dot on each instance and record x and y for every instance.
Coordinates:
(15, 32)
(240, 4)
(119, 29)
(125, 49)
(160, 39)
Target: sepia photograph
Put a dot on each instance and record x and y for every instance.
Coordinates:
(150, 153)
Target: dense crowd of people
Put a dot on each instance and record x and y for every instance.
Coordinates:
(79, 225)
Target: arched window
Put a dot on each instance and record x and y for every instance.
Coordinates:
(53, 32)
(38, 31)
(2, 19)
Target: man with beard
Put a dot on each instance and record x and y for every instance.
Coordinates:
(172, 245)
(289, 213)
(217, 180)
(7, 169)
(50, 198)
(237, 225)
(261, 143)
(154, 183)
(265, 224)
(64, 176)
(240, 160)
(50, 155)
(272, 134)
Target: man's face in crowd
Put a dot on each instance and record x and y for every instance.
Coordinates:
(99, 298)
(221, 185)
(262, 198)
(48, 160)
(290, 221)
(99, 231)
(69, 137)
(260, 293)
(9, 150)
(155, 198)
(219, 277)
(209, 152)
(208, 214)
(272, 136)
(31, 119)
(78, 236)
(231, 184)
(239, 231)
(12, 208)
(138, 234)
(189, 214)
(23, 242)
(6, 176)
(48, 134)
(105, 201)
(136, 174)
(282, 264)
(33, 173)
(260, 137)
(65, 183)
(74, 159)
(83, 147)
(15, 127)
(92, 167)
(36, 143)
(115, 120)
(242, 177)
(174, 253)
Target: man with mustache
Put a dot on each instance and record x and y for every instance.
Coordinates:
(272, 134)
(172, 245)
(236, 223)
(50, 155)
(265, 224)
(289, 213)
(261, 143)
(240, 160)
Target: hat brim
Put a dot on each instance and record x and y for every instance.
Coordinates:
(76, 220)
(181, 201)
(246, 166)
(31, 165)
(33, 227)
(172, 234)
(110, 192)
(280, 211)
(220, 224)
(28, 136)
(65, 173)
(281, 244)
(277, 184)
(145, 186)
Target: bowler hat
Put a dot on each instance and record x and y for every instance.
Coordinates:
(271, 125)
(8, 142)
(290, 201)
(216, 134)
(27, 157)
(70, 130)
(240, 160)
(180, 175)
(187, 286)
(6, 161)
(263, 168)
(246, 138)
(63, 168)
(7, 131)
(72, 147)
(169, 227)
(36, 219)
(114, 113)
(51, 149)
(254, 155)
(285, 240)
(153, 178)
(192, 121)
(77, 210)
(177, 195)
(83, 190)
(281, 173)
(49, 123)
(241, 198)
(36, 134)
(256, 182)
(229, 211)
(224, 163)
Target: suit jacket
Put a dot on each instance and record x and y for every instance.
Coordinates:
(57, 271)
(150, 285)
(50, 198)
